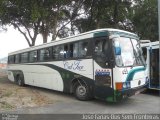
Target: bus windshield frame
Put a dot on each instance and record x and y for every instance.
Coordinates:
(130, 53)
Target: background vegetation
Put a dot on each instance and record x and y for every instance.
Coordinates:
(62, 18)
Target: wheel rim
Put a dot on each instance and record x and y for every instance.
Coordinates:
(81, 90)
(19, 81)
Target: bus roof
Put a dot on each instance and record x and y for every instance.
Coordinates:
(84, 35)
(149, 44)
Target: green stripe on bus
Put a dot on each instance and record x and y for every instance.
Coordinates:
(101, 34)
(132, 73)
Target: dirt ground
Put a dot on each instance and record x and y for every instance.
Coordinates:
(13, 96)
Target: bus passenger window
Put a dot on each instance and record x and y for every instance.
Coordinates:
(17, 58)
(33, 56)
(55, 52)
(101, 52)
(71, 50)
(83, 49)
(66, 52)
(24, 57)
(75, 50)
(58, 52)
(61, 52)
(11, 59)
(45, 54)
(101, 47)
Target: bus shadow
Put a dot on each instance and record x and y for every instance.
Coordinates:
(72, 97)
(49, 91)
(152, 92)
(112, 104)
(64, 96)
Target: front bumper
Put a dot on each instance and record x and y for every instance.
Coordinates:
(123, 94)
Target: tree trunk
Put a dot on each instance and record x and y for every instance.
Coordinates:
(116, 14)
(45, 36)
(33, 42)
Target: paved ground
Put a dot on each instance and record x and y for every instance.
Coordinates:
(61, 103)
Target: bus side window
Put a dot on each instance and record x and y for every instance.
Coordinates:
(66, 51)
(55, 52)
(45, 54)
(101, 47)
(11, 59)
(17, 58)
(24, 58)
(83, 49)
(61, 52)
(75, 50)
(71, 50)
(33, 56)
(58, 52)
(101, 51)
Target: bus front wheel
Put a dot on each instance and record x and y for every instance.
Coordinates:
(20, 81)
(81, 91)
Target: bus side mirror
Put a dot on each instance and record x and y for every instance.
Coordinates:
(118, 50)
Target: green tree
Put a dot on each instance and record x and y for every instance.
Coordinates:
(18, 14)
(145, 19)
(33, 17)
(104, 13)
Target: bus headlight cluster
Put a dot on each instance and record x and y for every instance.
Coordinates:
(126, 85)
(123, 85)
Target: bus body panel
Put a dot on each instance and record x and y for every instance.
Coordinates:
(41, 76)
(132, 75)
(10, 76)
(98, 70)
(47, 76)
(82, 67)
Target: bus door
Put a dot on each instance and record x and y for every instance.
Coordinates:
(154, 69)
(102, 68)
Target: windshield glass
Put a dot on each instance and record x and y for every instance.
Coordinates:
(129, 52)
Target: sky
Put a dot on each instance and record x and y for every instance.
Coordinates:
(12, 40)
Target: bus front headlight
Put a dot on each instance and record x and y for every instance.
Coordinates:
(124, 85)
(128, 84)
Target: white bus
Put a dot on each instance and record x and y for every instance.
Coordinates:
(104, 63)
(151, 53)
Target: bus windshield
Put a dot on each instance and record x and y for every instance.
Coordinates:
(127, 52)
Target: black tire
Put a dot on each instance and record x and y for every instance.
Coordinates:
(81, 91)
(20, 80)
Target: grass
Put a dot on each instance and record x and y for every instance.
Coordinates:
(5, 105)
(7, 94)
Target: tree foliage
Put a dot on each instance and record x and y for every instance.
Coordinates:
(62, 18)
(33, 17)
(18, 14)
(145, 19)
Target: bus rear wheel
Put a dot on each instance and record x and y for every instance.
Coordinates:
(81, 91)
(20, 81)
